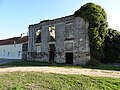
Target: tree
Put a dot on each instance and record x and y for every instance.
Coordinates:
(97, 18)
(112, 47)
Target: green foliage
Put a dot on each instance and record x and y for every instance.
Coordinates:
(93, 62)
(97, 17)
(112, 47)
(50, 81)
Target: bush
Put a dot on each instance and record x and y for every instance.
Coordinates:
(93, 62)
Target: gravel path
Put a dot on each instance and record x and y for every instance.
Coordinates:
(60, 70)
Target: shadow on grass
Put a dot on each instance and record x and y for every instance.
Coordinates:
(33, 63)
(103, 67)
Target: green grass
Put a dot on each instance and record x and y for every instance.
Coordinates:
(33, 63)
(99, 66)
(104, 67)
(50, 81)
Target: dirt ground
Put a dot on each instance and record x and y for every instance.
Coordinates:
(60, 70)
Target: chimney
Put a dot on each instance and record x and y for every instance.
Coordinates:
(24, 34)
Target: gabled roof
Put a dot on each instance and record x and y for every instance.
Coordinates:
(14, 40)
(22, 40)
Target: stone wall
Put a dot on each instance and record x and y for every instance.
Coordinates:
(59, 43)
(44, 44)
(24, 51)
(81, 42)
(68, 30)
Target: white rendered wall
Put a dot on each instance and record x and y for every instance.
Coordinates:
(13, 51)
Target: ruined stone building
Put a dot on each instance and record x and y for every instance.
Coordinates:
(62, 40)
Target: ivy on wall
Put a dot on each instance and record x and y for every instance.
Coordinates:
(97, 18)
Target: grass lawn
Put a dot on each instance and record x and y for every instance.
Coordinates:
(50, 81)
(30, 63)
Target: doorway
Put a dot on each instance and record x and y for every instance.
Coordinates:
(51, 52)
(69, 57)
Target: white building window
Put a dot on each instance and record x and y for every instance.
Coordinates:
(3, 53)
(19, 53)
(8, 54)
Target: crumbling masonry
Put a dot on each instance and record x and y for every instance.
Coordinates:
(62, 40)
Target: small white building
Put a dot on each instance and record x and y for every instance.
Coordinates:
(14, 48)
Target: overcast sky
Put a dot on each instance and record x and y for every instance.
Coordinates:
(17, 15)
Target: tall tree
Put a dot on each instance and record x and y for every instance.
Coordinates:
(112, 47)
(97, 18)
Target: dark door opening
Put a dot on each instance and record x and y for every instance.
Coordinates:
(51, 52)
(69, 57)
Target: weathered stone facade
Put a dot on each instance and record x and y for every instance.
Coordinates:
(69, 44)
